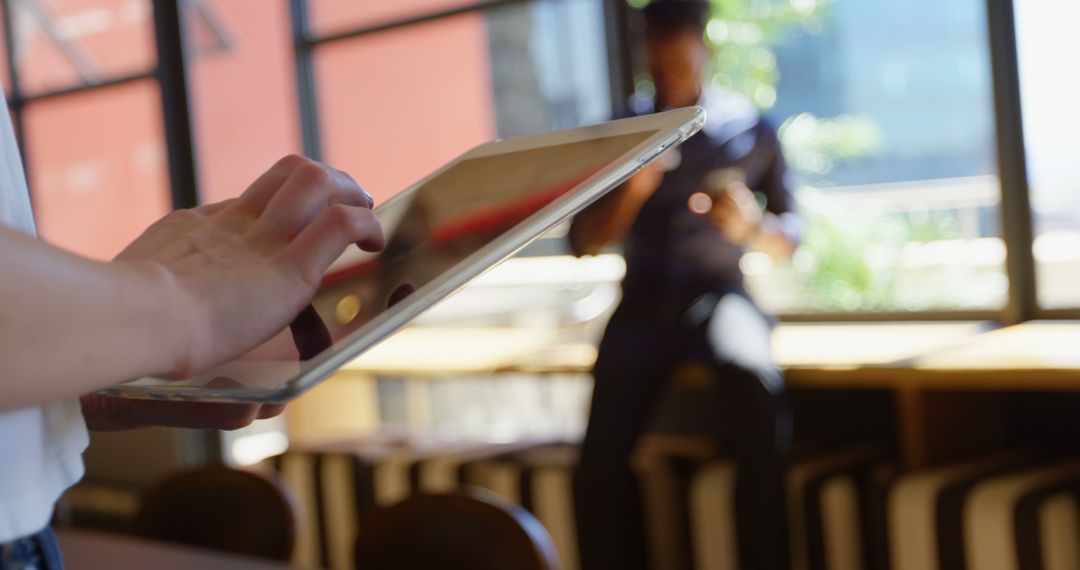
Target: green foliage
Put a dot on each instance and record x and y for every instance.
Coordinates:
(852, 252)
(815, 145)
(931, 226)
(742, 34)
(853, 248)
(840, 272)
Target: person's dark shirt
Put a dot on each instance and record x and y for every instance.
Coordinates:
(674, 255)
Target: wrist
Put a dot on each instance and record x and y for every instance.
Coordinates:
(153, 302)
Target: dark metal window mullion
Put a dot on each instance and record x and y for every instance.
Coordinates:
(1012, 164)
(175, 103)
(620, 64)
(202, 447)
(86, 87)
(303, 49)
(412, 21)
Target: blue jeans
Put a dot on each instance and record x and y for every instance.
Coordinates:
(36, 552)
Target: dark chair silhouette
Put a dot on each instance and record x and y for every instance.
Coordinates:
(221, 509)
(460, 531)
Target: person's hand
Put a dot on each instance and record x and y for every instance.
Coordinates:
(643, 184)
(736, 213)
(237, 272)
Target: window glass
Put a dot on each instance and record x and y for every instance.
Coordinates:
(69, 43)
(396, 105)
(885, 111)
(243, 91)
(97, 166)
(329, 16)
(1050, 90)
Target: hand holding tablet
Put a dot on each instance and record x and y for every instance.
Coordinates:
(282, 233)
(439, 234)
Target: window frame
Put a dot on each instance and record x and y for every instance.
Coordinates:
(305, 42)
(1015, 211)
(171, 75)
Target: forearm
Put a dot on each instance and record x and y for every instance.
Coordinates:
(69, 325)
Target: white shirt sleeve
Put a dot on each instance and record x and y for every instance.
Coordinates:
(40, 448)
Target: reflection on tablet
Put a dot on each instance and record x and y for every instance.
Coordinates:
(453, 216)
(310, 334)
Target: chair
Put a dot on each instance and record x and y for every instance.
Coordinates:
(466, 531)
(337, 484)
(221, 509)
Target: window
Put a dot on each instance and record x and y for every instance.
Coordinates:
(332, 16)
(398, 104)
(97, 166)
(886, 113)
(395, 104)
(63, 44)
(242, 85)
(90, 119)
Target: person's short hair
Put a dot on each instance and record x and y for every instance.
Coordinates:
(666, 18)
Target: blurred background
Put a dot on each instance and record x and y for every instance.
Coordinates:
(885, 112)
(932, 212)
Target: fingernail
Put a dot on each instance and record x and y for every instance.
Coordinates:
(370, 199)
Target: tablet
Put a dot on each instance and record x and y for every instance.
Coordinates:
(441, 233)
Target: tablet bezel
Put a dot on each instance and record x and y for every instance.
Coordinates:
(672, 128)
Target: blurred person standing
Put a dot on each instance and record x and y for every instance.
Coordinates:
(684, 224)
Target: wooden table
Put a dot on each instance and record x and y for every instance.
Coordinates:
(84, 550)
(952, 395)
(453, 351)
(1034, 356)
(1039, 355)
